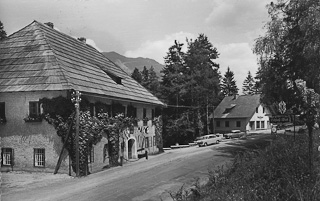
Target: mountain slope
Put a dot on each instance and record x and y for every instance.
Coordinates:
(128, 64)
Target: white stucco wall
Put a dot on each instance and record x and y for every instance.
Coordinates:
(258, 119)
(23, 136)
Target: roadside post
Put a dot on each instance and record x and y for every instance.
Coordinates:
(76, 100)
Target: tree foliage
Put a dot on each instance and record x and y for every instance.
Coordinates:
(59, 112)
(248, 87)
(136, 74)
(289, 51)
(3, 33)
(228, 85)
(190, 84)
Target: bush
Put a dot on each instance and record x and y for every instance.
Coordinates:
(279, 172)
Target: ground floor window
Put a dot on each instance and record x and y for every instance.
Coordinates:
(39, 157)
(238, 123)
(226, 123)
(218, 123)
(7, 156)
(258, 124)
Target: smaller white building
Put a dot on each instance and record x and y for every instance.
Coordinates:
(243, 113)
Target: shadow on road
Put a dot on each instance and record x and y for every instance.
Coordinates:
(252, 142)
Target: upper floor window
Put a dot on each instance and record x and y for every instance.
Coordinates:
(34, 109)
(263, 109)
(131, 111)
(257, 109)
(152, 114)
(2, 112)
(7, 156)
(144, 113)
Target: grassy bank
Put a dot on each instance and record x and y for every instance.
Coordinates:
(277, 170)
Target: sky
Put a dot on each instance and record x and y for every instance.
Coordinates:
(147, 28)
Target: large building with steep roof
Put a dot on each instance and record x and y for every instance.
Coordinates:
(244, 113)
(40, 62)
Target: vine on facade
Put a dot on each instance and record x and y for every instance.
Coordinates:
(59, 112)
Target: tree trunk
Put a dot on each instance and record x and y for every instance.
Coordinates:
(310, 148)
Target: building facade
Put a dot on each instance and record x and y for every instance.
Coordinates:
(243, 113)
(40, 62)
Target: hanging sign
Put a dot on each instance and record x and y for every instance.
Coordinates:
(282, 107)
(279, 119)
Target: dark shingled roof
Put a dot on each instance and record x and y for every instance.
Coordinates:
(40, 58)
(241, 107)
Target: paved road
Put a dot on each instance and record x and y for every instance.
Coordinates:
(137, 181)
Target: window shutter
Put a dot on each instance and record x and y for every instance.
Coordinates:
(2, 156)
(12, 157)
(44, 158)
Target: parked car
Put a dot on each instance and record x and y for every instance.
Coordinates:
(198, 139)
(234, 134)
(209, 139)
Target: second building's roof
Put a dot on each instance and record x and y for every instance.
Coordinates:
(237, 107)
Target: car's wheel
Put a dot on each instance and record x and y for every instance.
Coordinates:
(205, 144)
(217, 142)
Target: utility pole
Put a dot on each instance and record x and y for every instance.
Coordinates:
(213, 127)
(208, 131)
(76, 100)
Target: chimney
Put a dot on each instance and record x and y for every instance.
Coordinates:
(82, 39)
(49, 24)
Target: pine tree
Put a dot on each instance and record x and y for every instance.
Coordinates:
(173, 75)
(136, 74)
(248, 86)
(145, 75)
(228, 85)
(3, 33)
(152, 84)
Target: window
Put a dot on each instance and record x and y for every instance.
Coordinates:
(238, 123)
(144, 113)
(262, 124)
(92, 109)
(91, 155)
(131, 111)
(257, 109)
(226, 123)
(117, 108)
(145, 120)
(39, 157)
(218, 123)
(154, 141)
(147, 142)
(152, 114)
(7, 156)
(263, 109)
(2, 112)
(258, 124)
(34, 109)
